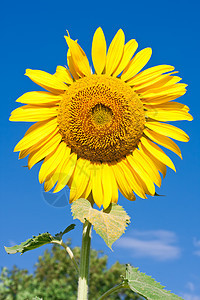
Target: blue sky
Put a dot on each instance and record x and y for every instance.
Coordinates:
(163, 239)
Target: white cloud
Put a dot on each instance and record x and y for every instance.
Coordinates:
(196, 244)
(194, 290)
(187, 296)
(197, 252)
(157, 244)
(12, 243)
(190, 286)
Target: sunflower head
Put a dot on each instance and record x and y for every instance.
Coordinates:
(100, 131)
(101, 118)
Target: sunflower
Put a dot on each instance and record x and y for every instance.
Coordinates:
(98, 132)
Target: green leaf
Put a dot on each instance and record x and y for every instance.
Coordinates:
(30, 244)
(110, 224)
(58, 236)
(146, 286)
(38, 241)
(81, 209)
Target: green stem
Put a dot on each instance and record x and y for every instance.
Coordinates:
(116, 288)
(84, 262)
(69, 251)
(71, 255)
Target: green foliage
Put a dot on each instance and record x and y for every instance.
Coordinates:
(30, 244)
(55, 278)
(110, 224)
(146, 286)
(38, 241)
(58, 236)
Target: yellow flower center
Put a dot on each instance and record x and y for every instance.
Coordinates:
(101, 118)
(101, 114)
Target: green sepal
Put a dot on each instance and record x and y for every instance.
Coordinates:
(158, 195)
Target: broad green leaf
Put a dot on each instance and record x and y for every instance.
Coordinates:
(146, 286)
(110, 224)
(38, 241)
(81, 209)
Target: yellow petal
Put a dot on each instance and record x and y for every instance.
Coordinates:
(157, 82)
(31, 113)
(63, 75)
(88, 188)
(37, 132)
(123, 185)
(176, 89)
(149, 74)
(157, 152)
(136, 64)
(49, 184)
(170, 81)
(153, 161)
(80, 179)
(152, 102)
(134, 181)
(79, 57)
(36, 146)
(163, 141)
(137, 167)
(168, 130)
(114, 187)
(170, 106)
(51, 162)
(160, 166)
(39, 98)
(107, 185)
(66, 172)
(129, 50)
(148, 166)
(115, 52)
(71, 65)
(24, 153)
(165, 115)
(46, 80)
(45, 150)
(99, 51)
(51, 180)
(97, 189)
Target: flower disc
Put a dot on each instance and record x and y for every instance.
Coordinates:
(101, 118)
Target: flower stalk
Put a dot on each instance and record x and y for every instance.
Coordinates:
(71, 255)
(69, 251)
(116, 288)
(84, 262)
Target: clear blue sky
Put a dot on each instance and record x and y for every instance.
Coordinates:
(164, 237)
